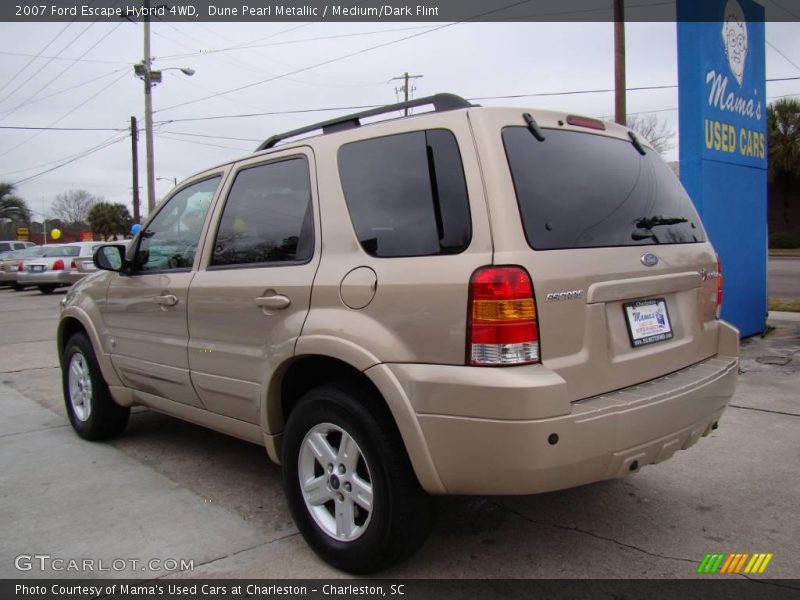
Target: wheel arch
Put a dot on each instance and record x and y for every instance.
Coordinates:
(305, 372)
(75, 321)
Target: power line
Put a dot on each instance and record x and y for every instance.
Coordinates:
(252, 45)
(175, 139)
(33, 58)
(83, 155)
(774, 47)
(20, 127)
(51, 59)
(345, 56)
(72, 87)
(61, 73)
(86, 60)
(65, 115)
(216, 137)
(58, 160)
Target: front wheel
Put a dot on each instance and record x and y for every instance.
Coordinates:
(92, 412)
(349, 482)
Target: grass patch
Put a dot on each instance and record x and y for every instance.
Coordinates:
(784, 251)
(784, 304)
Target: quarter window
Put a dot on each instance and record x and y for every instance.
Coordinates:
(406, 194)
(267, 217)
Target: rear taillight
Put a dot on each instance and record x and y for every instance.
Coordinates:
(719, 286)
(20, 267)
(58, 265)
(73, 265)
(501, 321)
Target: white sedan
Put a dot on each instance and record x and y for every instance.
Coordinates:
(61, 265)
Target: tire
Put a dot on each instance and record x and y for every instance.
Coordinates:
(47, 288)
(391, 516)
(17, 287)
(92, 412)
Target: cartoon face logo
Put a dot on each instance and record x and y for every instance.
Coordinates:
(734, 37)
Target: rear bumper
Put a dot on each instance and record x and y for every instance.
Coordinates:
(45, 278)
(567, 444)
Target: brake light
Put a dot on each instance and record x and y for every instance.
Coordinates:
(719, 286)
(73, 265)
(58, 265)
(502, 328)
(586, 122)
(20, 267)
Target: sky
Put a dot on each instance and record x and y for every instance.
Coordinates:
(473, 60)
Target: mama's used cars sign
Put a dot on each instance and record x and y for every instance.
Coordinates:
(723, 143)
(734, 122)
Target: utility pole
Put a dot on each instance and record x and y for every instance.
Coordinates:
(405, 88)
(620, 110)
(151, 77)
(148, 114)
(135, 162)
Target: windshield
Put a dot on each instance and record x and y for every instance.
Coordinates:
(578, 190)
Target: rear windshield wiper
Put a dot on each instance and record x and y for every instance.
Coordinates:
(656, 220)
(636, 143)
(533, 126)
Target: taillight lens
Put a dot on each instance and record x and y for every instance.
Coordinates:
(502, 328)
(719, 286)
(73, 265)
(58, 265)
(20, 267)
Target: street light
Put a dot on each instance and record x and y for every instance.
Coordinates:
(151, 76)
(174, 180)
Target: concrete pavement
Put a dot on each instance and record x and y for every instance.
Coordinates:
(168, 489)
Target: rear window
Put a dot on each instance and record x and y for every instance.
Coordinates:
(63, 251)
(578, 190)
(406, 194)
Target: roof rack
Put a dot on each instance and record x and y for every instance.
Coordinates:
(440, 102)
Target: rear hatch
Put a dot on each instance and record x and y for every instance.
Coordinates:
(624, 278)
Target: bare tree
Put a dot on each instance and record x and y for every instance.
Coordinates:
(73, 206)
(658, 133)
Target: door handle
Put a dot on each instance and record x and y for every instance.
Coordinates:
(167, 300)
(275, 301)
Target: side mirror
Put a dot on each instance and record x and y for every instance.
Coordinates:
(110, 258)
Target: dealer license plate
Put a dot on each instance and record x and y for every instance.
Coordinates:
(648, 321)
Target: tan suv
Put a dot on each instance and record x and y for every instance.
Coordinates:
(464, 301)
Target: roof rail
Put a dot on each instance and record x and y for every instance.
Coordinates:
(440, 102)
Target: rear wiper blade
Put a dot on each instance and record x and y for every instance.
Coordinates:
(636, 143)
(656, 220)
(533, 126)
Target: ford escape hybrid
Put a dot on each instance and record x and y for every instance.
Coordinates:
(465, 301)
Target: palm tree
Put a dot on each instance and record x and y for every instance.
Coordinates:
(12, 208)
(108, 219)
(783, 131)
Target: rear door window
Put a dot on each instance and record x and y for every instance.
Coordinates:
(268, 217)
(578, 190)
(406, 194)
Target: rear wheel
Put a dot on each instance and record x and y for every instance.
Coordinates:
(349, 482)
(17, 287)
(48, 288)
(92, 412)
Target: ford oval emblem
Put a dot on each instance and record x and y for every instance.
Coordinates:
(649, 259)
